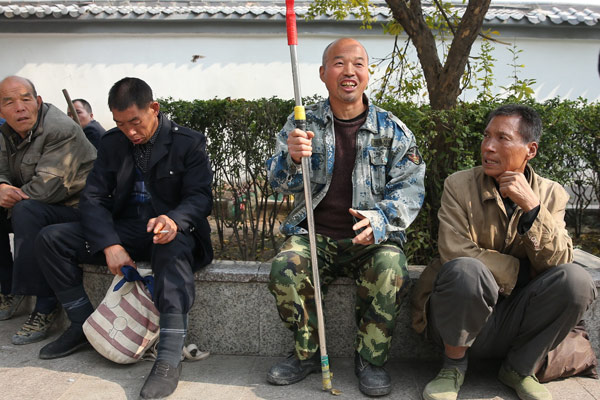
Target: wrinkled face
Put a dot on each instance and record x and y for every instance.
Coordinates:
(503, 148)
(84, 117)
(18, 105)
(137, 124)
(345, 72)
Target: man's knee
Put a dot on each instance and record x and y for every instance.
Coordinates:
(390, 258)
(467, 278)
(462, 268)
(574, 284)
(56, 236)
(26, 211)
(388, 262)
(286, 265)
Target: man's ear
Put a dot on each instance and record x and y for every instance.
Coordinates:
(322, 73)
(532, 148)
(155, 107)
(39, 101)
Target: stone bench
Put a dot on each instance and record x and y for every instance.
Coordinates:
(234, 313)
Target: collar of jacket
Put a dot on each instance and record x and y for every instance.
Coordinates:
(164, 139)
(371, 121)
(489, 190)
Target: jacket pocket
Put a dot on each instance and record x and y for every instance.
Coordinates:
(378, 158)
(28, 166)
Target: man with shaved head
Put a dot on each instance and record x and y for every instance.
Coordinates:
(367, 187)
(44, 161)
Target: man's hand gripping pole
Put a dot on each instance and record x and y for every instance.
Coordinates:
(300, 121)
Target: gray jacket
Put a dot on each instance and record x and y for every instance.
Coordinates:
(52, 162)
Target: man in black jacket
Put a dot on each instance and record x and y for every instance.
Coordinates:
(147, 197)
(92, 128)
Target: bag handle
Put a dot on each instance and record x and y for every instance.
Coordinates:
(131, 274)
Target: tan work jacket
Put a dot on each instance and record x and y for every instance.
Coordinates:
(474, 223)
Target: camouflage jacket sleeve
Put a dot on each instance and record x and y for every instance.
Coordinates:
(401, 171)
(285, 176)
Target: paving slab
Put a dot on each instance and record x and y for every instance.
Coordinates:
(87, 375)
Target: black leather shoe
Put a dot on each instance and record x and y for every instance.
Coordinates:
(292, 370)
(69, 342)
(161, 382)
(372, 380)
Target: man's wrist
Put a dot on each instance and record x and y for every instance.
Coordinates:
(110, 248)
(530, 206)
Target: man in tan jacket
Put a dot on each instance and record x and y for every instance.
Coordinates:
(503, 286)
(44, 161)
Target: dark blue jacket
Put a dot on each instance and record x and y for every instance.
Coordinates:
(94, 131)
(178, 177)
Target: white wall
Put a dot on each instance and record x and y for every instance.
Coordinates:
(245, 67)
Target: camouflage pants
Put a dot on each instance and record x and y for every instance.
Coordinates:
(381, 278)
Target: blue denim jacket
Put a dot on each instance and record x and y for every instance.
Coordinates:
(387, 177)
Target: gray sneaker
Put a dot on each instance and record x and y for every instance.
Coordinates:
(35, 328)
(9, 305)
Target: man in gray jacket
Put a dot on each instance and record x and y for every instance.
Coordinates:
(44, 161)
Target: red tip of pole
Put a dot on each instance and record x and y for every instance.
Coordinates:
(290, 21)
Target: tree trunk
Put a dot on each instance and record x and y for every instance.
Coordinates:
(443, 81)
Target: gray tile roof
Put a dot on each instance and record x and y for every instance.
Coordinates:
(507, 11)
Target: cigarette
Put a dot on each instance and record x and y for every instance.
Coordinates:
(163, 231)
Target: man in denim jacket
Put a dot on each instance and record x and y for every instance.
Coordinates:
(367, 186)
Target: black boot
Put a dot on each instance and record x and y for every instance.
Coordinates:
(372, 380)
(292, 369)
(69, 342)
(162, 381)
(78, 308)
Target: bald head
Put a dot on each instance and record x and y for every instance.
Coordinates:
(345, 72)
(19, 104)
(24, 81)
(339, 42)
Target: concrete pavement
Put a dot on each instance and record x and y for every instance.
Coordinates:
(87, 375)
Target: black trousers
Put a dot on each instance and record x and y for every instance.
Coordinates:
(27, 218)
(61, 248)
(465, 310)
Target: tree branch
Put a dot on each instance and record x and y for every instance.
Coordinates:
(458, 53)
(416, 28)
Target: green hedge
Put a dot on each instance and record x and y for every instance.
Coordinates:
(241, 136)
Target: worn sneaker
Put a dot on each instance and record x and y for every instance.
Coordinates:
(445, 385)
(162, 381)
(527, 387)
(35, 328)
(292, 369)
(9, 305)
(372, 380)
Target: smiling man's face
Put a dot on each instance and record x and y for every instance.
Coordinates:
(345, 72)
(19, 105)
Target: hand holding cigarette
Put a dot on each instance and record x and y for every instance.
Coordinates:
(164, 229)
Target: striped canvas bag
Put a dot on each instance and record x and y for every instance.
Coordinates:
(126, 323)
